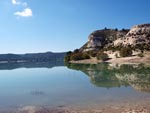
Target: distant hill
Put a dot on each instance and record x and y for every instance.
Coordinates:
(32, 57)
(15, 65)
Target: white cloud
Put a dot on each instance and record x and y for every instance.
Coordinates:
(25, 13)
(15, 2)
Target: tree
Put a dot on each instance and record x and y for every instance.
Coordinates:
(102, 56)
(116, 29)
(85, 56)
(123, 29)
(92, 53)
(68, 55)
(76, 50)
(69, 52)
(79, 56)
(105, 28)
(125, 52)
(67, 58)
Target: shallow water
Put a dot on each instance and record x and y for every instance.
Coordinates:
(73, 85)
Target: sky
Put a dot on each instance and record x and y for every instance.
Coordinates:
(30, 26)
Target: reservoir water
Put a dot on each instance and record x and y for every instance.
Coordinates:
(73, 85)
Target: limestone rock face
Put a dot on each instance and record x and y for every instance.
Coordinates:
(138, 34)
(100, 38)
(95, 42)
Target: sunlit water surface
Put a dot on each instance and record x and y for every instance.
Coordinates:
(73, 85)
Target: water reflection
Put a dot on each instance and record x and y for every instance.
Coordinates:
(11, 66)
(108, 76)
(101, 75)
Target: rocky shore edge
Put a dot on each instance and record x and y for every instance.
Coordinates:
(33, 109)
(123, 60)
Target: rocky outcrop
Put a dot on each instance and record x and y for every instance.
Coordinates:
(95, 41)
(100, 38)
(114, 43)
(139, 34)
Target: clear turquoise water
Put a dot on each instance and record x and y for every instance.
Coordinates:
(72, 85)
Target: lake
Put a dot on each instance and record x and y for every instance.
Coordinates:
(77, 86)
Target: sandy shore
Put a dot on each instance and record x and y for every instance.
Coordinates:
(109, 109)
(124, 60)
(87, 61)
(128, 60)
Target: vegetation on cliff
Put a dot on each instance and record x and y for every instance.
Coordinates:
(113, 43)
(76, 56)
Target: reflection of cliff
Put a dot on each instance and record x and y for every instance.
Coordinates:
(137, 77)
(103, 75)
(141, 86)
(10, 66)
(99, 74)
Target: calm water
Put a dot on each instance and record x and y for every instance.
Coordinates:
(53, 84)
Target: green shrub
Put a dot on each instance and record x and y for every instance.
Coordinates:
(125, 52)
(92, 53)
(143, 47)
(102, 56)
(147, 47)
(75, 56)
(67, 58)
(85, 56)
(68, 55)
(79, 56)
(76, 51)
(140, 55)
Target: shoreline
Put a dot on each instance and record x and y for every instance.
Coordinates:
(107, 109)
(122, 60)
(86, 61)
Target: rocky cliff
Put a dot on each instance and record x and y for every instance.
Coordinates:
(139, 34)
(101, 38)
(108, 44)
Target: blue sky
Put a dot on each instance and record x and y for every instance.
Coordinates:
(28, 26)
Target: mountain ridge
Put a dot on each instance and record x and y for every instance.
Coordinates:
(32, 57)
